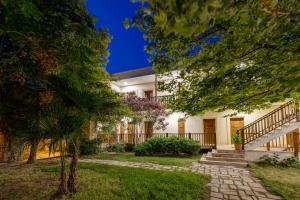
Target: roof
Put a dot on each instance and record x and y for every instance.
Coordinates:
(133, 73)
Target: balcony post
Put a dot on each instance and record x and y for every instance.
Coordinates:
(296, 143)
(241, 132)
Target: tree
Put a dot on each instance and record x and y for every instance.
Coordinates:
(148, 110)
(239, 55)
(52, 75)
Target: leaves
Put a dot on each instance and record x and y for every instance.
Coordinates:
(237, 55)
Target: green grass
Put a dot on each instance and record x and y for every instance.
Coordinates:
(162, 160)
(281, 181)
(102, 182)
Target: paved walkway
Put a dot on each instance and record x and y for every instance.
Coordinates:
(226, 182)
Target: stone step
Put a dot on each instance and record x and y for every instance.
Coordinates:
(228, 151)
(225, 159)
(203, 160)
(228, 155)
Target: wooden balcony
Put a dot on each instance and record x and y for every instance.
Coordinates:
(166, 99)
(206, 140)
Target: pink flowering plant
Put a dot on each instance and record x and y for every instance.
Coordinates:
(148, 110)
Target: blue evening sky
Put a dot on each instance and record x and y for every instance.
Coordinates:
(127, 46)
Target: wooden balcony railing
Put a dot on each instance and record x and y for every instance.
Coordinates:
(206, 140)
(166, 99)
(275, 119)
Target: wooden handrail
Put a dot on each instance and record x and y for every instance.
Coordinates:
(269, 122)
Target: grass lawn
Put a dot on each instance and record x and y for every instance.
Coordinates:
(103, 182)
(163, 160)
(282, 181)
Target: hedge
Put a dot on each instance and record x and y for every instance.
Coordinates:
(167, 146)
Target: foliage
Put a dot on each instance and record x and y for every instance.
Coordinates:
(129, 147)
(52, 76)
(118, 147)
(236, 138)
(238, 55)
(269, 160)
(167, 146)
(148, 110)
(290, 162)
(87, 146)
(275, 161)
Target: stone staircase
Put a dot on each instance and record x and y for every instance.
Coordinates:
(280, 131)
(277, 123)
(224, 158)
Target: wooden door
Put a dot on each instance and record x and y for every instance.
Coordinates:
(235, 125)
(149, 94)
(181, 127)
(131, 132)
(209, 126)
(148, 129)
(2, 141)
(122, 130)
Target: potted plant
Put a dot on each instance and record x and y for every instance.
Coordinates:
(237, 140)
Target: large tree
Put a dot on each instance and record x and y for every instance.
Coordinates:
(231, 54)
(52, 76)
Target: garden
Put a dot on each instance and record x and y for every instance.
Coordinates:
(280, 177)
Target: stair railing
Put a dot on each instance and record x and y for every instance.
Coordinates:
(269, 122)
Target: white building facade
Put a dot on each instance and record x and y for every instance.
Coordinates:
(220, 124)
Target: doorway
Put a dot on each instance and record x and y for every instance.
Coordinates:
(181, 127)
(209, 126)
(235, 125)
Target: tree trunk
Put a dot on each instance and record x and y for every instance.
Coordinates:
(9, 155)
(62, 189)
(72, 182)
(33, 151)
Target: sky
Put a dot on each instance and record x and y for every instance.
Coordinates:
(127, 46)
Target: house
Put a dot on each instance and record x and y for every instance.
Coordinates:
(263, 132)
(212, 129)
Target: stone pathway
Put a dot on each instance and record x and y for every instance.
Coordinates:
(226, 182)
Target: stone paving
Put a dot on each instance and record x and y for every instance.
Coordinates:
(226, 182)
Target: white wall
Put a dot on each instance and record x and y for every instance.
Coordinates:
(193, 124)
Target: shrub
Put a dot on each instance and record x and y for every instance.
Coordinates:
(167, 146)
(118, 147)
(269, 160)
(129, 147)
(290, 162)
(87, 147)
(274, 161)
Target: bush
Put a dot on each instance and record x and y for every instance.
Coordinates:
(87, 147)
(290, 162)
(274, 161)
(118, 148)
(271, 161)
(167, 146)
(129, 147)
